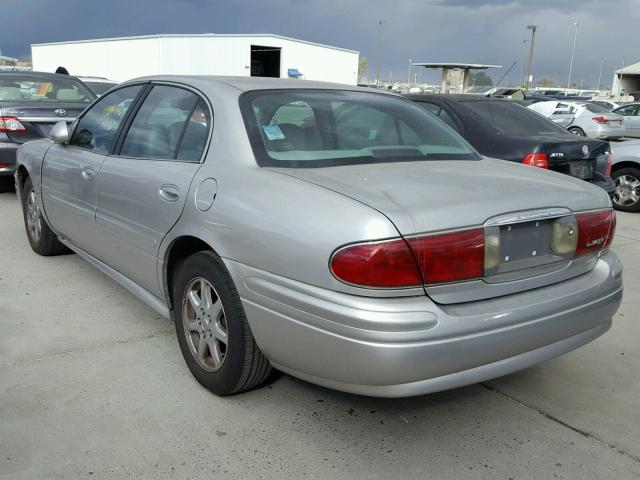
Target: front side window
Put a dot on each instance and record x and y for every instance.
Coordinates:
(97, 129)
(31, 89)
(166, 116)
(315, 128)
(509, 118)
(627, 111)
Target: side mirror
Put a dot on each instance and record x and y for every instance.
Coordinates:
(59, 133)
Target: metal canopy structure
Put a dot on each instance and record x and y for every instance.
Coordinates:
(446, 66)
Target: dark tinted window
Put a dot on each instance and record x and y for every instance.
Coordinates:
(593, 108)
(158, 126)
(195, 135)
(315, 128)
(627, 110)
(97, 129)
(31, 89)
(99, 88)
(512, 119)
(440, 112)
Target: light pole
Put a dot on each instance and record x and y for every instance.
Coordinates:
(380, 22)
(573, 51)
(533, 39)
(524, 54)
(620, 83)
(409, 75)
(600, 74)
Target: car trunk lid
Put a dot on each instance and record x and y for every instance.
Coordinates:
(39, 119)
(434, 196)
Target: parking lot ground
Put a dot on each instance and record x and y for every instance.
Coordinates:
(92, 385)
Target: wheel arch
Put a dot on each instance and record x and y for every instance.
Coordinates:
(177, 252)
(625, 164)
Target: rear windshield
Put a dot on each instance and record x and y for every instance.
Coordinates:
(512, 119)
(27, 89)
(593, 108)
(99, 87)
(316, 128)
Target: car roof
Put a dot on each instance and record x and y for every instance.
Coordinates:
(456, 97)
(258, 83)
(96, 79)
(46, 75)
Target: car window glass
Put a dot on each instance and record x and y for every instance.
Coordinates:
(158, 125)
(627, 111)
(593, 108)
(432, 107)
(33, 89)
(446, 118)
(308, 128)
(512, 119)
(97, 129)
(195, 135)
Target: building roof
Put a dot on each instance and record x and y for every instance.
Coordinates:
(633, 69)
(195, 35)
(463, 66)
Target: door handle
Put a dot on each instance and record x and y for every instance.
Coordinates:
(170, 193)
(88, 173)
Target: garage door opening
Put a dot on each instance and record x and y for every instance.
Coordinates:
(265, 61)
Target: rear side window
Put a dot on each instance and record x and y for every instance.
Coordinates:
(167, 116)
(440, 112)
(627, 111)
(510, 118)
(304, 128)
(98, 127)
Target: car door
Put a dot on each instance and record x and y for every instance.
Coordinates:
(631, 119)
(143, 186)
(69, 171)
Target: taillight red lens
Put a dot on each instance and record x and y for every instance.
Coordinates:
(607, 169)
(595, 231)
(536, 160)
(388, 264)
(450, 257)
(11, 125)
(600, 120)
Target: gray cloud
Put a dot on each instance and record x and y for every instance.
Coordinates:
(490, 31)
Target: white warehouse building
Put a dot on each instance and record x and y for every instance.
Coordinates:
(266, 55)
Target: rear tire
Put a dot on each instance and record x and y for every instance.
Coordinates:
(41, 238)
(577, 131)
(212, 329)
(627, 195)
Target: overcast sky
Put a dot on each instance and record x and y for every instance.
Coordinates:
(476, 31)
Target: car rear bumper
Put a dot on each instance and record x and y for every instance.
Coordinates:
(405, 346)
(8, 158)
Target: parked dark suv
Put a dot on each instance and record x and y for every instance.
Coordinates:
(30, 104)
(504, 129)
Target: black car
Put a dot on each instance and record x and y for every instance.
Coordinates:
(504, 129)
(30, 104)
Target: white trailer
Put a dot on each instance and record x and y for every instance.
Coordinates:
(269, 55)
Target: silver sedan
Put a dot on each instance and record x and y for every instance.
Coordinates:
(342, 235)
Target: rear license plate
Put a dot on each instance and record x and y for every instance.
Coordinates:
(581, 169)
(524, 241)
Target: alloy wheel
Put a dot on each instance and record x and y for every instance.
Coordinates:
(204, 323)
(34, 220)
(627, 191)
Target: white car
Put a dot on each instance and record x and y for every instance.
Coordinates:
(583, 118)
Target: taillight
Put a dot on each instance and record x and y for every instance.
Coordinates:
(607, 169)
(536, 160)
(387, 264)
(450, 257)
(600, 120)
(11, 125)
(595, 231)
(445, 257)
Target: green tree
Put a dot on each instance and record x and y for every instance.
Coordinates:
(480, 78)
(363, 65)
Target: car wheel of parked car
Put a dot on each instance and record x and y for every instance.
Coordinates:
(212, 329)
(41, 238)
(577, 131)
(627, 195)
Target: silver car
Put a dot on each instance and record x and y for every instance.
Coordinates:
(631, 114)
(345, 236)
(585, 119)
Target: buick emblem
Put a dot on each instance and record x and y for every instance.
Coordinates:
(61, 112)
(585, 150)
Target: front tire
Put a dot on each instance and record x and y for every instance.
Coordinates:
(41, 238)
(212, 329)
(627, 195)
